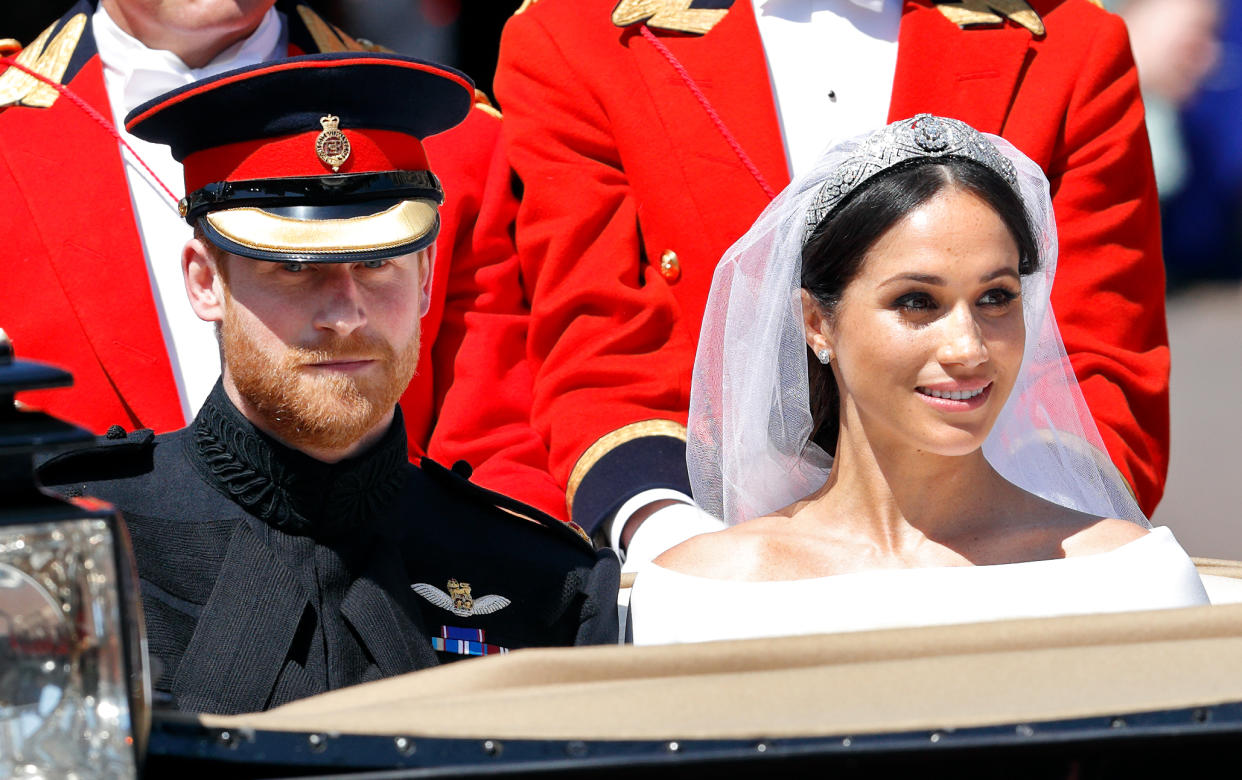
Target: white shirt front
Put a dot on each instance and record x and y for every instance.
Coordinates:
(134, 74)
(831, 64)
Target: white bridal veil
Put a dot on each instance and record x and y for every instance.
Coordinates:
(750, 419)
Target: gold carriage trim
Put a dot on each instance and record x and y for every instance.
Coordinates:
(675, 15)
(255, 228)
(610, 441)
(1218, 567)
(965, 13)
(49, 60)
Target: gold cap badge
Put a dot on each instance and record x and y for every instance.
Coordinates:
(331, 145)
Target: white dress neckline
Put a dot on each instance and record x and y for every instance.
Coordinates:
(1157, 535)
(1151, 572)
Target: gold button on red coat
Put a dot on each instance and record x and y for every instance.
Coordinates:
(670, 266)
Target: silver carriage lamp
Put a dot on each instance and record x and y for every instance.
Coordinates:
(73, 688)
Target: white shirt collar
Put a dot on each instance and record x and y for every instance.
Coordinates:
(869, 5)
(147, 73)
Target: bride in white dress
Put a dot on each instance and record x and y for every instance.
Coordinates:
(967, 480)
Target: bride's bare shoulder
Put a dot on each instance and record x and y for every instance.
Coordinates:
(736, 553)
(1046, 530)
(1101, 536)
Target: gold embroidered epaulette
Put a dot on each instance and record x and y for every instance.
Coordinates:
(967, 13)
(482, 103)
(49, 57)
(674, 15)
(329, 38)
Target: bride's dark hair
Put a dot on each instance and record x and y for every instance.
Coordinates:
(834, 253)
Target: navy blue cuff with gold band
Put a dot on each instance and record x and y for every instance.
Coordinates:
(642, 456)
(311, 159)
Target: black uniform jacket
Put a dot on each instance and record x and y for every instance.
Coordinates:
(268, 576)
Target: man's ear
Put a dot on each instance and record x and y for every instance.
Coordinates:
(815, 324)
(426, 262)
(203, 283)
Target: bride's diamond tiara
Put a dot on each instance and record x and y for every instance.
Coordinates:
(921, 136)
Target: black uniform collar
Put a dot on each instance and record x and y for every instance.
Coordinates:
(287, 489)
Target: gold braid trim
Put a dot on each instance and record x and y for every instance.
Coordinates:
(483, 104)
(610, 441)
(570, 523)
(970, 12)
(47, 59)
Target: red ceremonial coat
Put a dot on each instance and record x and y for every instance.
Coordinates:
(632, 194)
(75, 292)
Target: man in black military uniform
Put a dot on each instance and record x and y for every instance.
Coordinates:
(284, 543)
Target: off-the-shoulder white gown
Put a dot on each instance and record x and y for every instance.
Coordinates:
(1152, 572)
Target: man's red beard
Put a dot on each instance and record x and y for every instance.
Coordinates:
(308, 407)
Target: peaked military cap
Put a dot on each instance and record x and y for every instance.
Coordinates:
(311, 159)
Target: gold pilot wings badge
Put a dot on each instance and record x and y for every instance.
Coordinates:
(459, 601)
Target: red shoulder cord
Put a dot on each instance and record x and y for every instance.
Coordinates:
(711, 112)
(92, 113)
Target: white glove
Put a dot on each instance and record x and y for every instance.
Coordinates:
(665, 528)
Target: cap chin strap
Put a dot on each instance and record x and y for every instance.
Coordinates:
(295, 191)
(424, 290)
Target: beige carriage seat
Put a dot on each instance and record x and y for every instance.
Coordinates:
(1222, 579)
(891, 680)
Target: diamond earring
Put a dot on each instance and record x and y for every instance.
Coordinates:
(824, 355)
